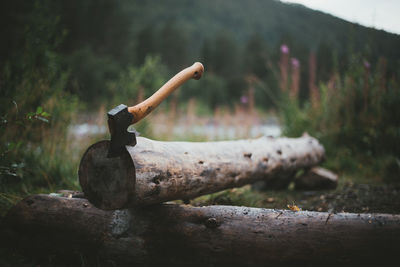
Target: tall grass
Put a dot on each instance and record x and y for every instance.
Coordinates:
(356, 116)
(36, 154)
(35, 111)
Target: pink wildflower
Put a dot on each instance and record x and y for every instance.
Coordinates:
(284, 49)
(295, 62)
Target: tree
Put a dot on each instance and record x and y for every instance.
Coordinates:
(256, 56)
(145, 44)
(173, 46)
(324, 62)
(207, 56)
(226, 55)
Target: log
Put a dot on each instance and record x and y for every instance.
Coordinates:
(154, 172)
(182, 235)
(316, 178)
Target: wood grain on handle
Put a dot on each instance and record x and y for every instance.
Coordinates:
(141, 110)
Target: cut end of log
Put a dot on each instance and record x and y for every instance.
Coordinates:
(108, 183)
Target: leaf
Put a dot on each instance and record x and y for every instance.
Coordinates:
(39, 110)
(29, 115)
(45, 114)
(10, 145)
(19, 144)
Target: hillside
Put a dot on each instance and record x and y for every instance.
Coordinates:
(99, 39)
(274, 21)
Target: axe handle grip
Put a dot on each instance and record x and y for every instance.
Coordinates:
(141, 110)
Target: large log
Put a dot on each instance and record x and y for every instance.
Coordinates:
(181, 235)
(154, 172)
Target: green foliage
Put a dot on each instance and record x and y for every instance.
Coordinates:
(211, 90)
(89, 74)
(148, 78)
(102, 26)
(38, 115)
(225, 55)
(173, 46)
(296, 120)
(138, 82)
(35, 113)
(145, 44)
(96, 41)
(257, 55)
(356, 118)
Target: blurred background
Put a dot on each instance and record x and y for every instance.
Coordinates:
(272, 68)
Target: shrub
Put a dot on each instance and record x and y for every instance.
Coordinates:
(357, 114)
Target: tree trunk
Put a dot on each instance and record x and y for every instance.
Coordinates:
(154, 172)
(180, 235)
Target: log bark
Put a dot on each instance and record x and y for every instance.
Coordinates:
(154, 172)
(181, 235)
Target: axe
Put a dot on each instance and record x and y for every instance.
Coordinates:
(122, 116)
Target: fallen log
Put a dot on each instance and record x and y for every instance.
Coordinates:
(154, 172)
(181, 235)
(316, 178)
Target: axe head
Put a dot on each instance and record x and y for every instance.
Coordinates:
(119, 120)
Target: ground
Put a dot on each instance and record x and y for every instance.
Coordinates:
(348, 197)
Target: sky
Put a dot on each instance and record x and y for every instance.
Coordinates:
(379, 14)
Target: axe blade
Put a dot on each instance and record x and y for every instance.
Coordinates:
(119, 120)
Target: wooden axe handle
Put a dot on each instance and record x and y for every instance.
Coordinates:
(142, 109)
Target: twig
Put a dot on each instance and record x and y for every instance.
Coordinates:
(327, 219)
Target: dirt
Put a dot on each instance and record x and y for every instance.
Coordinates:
(356, 198)
(348, 197)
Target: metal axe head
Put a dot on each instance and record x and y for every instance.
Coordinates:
(119, 120)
